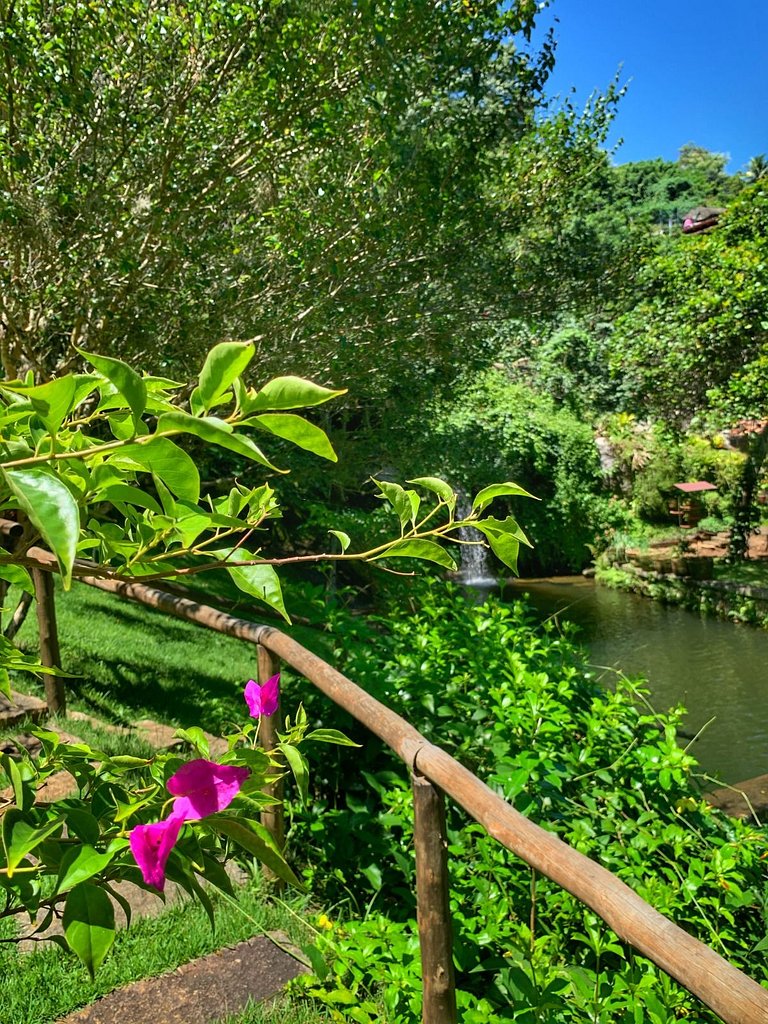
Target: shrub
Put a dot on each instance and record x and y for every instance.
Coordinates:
(517, 704)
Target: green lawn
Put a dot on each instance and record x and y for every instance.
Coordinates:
(752, 572)
(41, 986)
(131, 662)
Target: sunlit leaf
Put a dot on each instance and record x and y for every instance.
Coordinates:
(289, 393)
(253, 837)
(89, 924)
(485, 497)
(223, 364)
(343, 539)
(214, 431)
(260, 580)
(161, 457)
(296, 429)
(51, 509)
(124, 377)
(426, 550)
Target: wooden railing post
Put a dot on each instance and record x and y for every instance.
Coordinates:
(50, 655)
(433, 907)
(272, 818)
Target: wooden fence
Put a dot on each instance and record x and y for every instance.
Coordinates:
(733, 996)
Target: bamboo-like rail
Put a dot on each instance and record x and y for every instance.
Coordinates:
(730, 993)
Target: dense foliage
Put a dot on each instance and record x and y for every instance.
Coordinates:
(700, 321)
(90, 467)
(340, 183)
(517, 704)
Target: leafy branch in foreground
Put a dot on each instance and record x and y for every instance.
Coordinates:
(91, 467)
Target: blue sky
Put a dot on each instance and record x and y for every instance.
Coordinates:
(697, 71)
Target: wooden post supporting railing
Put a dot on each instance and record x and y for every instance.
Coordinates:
(272, 818)
(50, 655)
(433, 903)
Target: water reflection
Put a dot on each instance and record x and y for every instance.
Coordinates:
(716, 669)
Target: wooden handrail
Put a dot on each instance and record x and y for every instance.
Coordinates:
(733, 996)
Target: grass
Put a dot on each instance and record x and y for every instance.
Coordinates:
(284, 1010)
(132, 662)
(753, 573)
(41, 986)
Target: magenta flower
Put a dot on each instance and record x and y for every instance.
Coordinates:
(204, 787)
(151, 846)
(262, 699)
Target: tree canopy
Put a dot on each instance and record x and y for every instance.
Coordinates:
(337, 182)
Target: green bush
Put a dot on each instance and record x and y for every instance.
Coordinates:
(516, 703)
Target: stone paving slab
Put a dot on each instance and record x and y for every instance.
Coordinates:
(200, 992)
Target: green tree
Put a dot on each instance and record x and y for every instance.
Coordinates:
(700, 321)
(757, 168)
(320, 177)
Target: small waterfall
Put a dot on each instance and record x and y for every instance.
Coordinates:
(475, 564)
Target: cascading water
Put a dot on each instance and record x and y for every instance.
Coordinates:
(475, 564)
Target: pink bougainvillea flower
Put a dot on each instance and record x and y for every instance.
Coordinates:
(151, 846)
(262, 699)
(204, 787)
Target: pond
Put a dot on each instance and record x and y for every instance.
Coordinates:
(716, 669)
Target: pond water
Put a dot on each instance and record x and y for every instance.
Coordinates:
(716, 669)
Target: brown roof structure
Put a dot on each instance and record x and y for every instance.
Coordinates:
(696, 485)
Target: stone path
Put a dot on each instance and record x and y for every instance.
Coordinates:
(200, 992)
(20, 706)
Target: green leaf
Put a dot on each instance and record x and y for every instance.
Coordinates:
(51, 509)
(331, 736)
(223, 364)
(289, 393)
(164, 459)
(20, 838)
(80, 863)
(196, 738)
(260, 581)
(296, 429)
(124, 377)
(398, 498)
(52, 401)
(427, 550)
(299, 767)
(439, 487)
(214, 431)
(319, 966)
(254, 838)
(89, 924)
(508, 526)
(11, 769)
(374, 876)
(80, 822)
(485, 497)
(343, 539)
(18, 576)
(506, 549)
(505, 537)
(130, 496)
